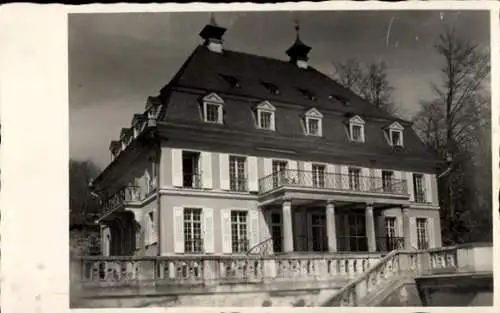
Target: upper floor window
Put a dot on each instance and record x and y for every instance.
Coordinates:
(422, 234)
(313, 122)
(387, 177)
(237, 170)
(354, 178)
(418, 187)
(357, 129)
(265, 115)
(272, 88)
(395, 134)
(213, 109)
(318, 175)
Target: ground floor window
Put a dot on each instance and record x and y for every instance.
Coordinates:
(192, 230)
(422, 233)
(352, 233)
(276, 231)
(239, 231)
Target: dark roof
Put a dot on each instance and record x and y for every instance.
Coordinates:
(205, 70)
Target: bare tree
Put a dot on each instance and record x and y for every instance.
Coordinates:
(368, 81)
(81, 202)
(454, 124)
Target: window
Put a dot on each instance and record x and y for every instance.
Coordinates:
(396, 138)
(354, 178)
(357, 129)
(265, 120)
(149, 229)
(191, 169)
(276, 231)
(318, 232)
(307, 93)
(395, 131)
(313, 127)
(279, 172)
(265, 115)
(418, 188)
(212, 109)
(237, 178)
(387, 181)
(239, 231)
(231, 80)
(390, 226)
(318, 175)
(192, 230)
(352, 232)
(422, 239)
(313, 121)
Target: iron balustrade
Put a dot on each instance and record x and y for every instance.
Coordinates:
(122, 196)
(352, 243)
(238, 184)
(192, 180)
(332, 181)
(388, 243)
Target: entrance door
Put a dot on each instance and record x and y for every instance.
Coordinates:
(317, 232)
(357, 232)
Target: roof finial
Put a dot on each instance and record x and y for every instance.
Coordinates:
(297, 27)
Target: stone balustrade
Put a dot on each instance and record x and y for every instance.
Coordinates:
(213, 270)
(399, 265)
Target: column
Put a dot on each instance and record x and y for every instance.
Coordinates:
(287, 232)
(331, 227)
(370, 228)
(406, 227)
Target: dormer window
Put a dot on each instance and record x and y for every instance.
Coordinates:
(308, 93)
(212, 108)
(265, 115)
(272, 88)
(231, 80)
(313, 122)
(357, 129)
(395, 132)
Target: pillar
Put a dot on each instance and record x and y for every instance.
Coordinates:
(331, 227)
(370, 228)
(287, 232)
(406, 227)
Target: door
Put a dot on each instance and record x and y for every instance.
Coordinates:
(318, 235)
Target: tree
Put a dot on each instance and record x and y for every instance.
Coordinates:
(369, 81)
(82, 203)
(456, 124)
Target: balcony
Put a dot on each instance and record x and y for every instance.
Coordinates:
(331, 181)
(126, 195)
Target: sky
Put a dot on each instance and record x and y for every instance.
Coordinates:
(117, 60)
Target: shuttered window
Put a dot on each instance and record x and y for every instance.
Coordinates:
(192, 230)
(239, 231)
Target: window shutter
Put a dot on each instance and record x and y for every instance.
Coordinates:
(265, 226)
(179, 230)
(413, 233)
(307, 177)
(428, 187)
(177, 177)
(292, 171)
(224, 171)
(268, 166)
(208, 230)
(154, 227)
(206, 170)
(399, 221)
(253, 180)
(431, 233)
(330, 176)
(226, 231)
(366, 182)
(409, 185)
(253, 236)
(344, 170)
(381, 231)
(299, 230)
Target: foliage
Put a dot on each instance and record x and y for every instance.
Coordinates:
(82, 204)
(369, 81)
(457, 123)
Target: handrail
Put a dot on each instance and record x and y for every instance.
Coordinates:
(264, 244)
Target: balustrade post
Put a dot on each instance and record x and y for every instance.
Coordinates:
(370, 228)
(269, 269)
(210, 272)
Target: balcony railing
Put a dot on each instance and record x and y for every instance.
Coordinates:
(192, 180)
(124, 195)
(387, 243)
(332, 181)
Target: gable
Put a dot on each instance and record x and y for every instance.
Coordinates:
(314, 113)
(396, 126)
(213, 98)
(266, 105)
(356, 120)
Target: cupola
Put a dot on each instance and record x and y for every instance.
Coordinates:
(212, 34)
(299, 51)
